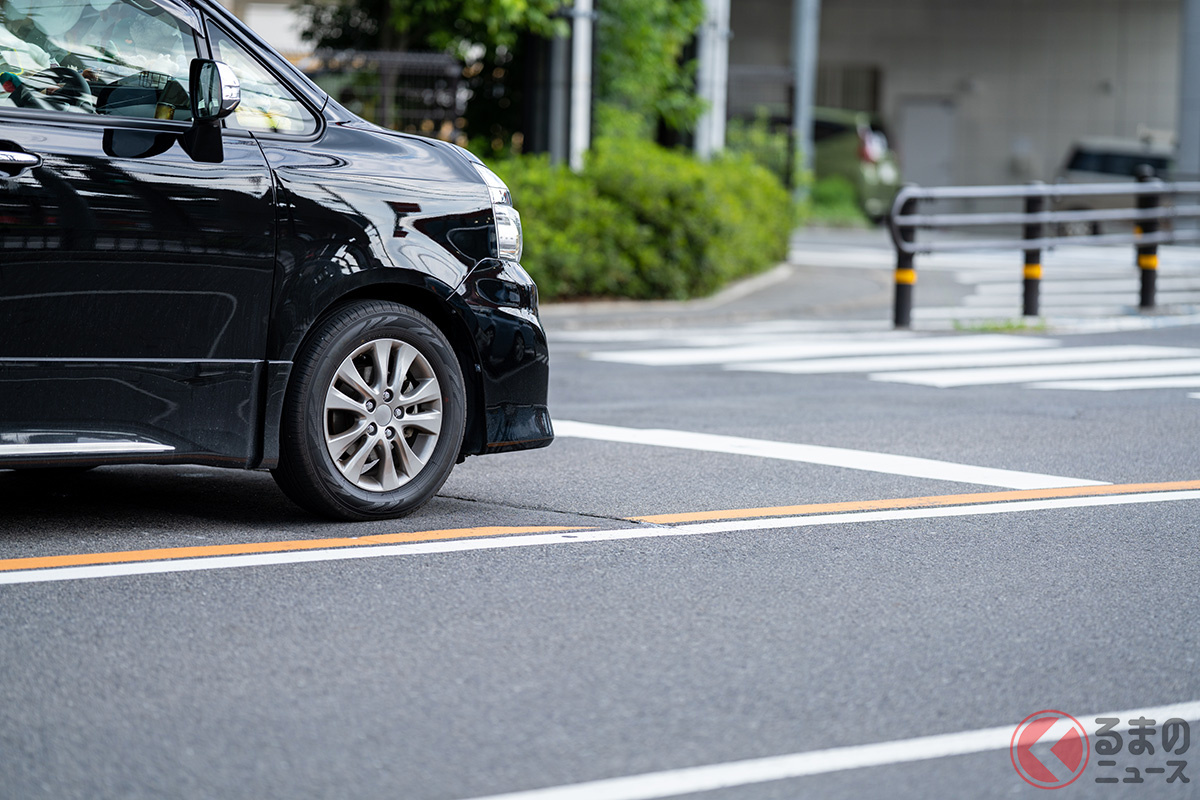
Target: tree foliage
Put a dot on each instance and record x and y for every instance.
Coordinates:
(455, 26)
(642, 76)
(485, 35)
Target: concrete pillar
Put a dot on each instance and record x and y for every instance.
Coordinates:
(806, 24)
(1188, 160)
(580, 137)
(712, 77)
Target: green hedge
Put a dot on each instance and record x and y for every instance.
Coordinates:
(646, 222)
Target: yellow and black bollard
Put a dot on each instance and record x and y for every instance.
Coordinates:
(906, 274)
(1147, 254)
(1034, 204)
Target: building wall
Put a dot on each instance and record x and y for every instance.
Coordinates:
(1018, 80)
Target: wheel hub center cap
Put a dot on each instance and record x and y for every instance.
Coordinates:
(383, 415)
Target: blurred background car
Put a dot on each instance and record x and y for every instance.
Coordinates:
(853, 145)
(1108, 160)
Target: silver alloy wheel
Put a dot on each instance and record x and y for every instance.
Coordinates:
(382, 415)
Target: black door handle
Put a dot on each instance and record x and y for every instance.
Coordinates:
(14, 163)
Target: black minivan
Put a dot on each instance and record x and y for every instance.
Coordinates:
(204, 259)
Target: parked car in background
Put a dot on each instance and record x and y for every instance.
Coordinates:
(1108, 160)
(853, 145)
(209, 261)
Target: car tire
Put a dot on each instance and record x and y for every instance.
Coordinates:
(374, 414)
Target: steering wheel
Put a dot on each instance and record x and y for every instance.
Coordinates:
(72, 89)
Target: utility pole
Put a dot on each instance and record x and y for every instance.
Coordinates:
(1188, 156)
(580, 137)
(712, 77)
(806, 24)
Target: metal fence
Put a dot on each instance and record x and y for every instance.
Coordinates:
(416, 92)
(1154, 212)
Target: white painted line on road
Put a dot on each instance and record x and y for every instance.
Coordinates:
(1063, 355)
(1120, 384)
(804, 348)
(1132, 284)
(818, 454)
(943, 379)
(54, 574)
(1008, 312)
(676, 782)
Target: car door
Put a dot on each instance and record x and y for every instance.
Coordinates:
(135, 281)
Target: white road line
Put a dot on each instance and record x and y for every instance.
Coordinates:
(54, 574)
(1116, 385)
(676, 782)
(1012, 311)
(1081, 297)
(818, 454)
(803, 348)
(943, 379)
(938, 360)
(1014, 288)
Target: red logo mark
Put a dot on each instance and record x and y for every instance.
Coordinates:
(1068, 752)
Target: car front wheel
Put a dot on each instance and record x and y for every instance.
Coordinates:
(374, 414)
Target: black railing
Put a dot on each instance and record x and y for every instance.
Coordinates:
(1153, 215)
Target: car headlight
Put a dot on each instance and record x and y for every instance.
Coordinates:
(509, 238)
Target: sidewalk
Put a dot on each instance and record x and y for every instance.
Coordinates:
(803, 287)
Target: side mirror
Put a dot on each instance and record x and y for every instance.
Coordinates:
(215, 90)
(215, 93)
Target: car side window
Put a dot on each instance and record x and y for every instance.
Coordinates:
(268, 105)
(124, 58)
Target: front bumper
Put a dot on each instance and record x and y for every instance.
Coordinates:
(514, 359)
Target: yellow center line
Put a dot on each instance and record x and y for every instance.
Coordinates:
(166, 553)
(169, 553)
(917, 502)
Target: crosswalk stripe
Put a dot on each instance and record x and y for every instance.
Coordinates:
(1013, 311)
(1077, 298)
(1012, 286)
(804, 348)
(1065, 355)
(1122, 384)
(943, 379)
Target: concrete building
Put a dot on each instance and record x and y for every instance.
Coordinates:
(974, 91)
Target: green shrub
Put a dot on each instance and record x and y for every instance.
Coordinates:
(577, 243)
(834, 201)
(646, 222)
(767, 144)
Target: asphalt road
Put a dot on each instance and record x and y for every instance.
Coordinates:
(788, 597)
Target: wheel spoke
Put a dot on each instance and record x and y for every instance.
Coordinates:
(350, 374)
(353, 468)
(425, 421)
(389, 477)
(424, 392)
(404, 362)
(383, 356)
(339, 444)
(409, 460)
(337, 400)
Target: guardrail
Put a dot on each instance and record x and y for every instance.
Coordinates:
(1153, 216)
